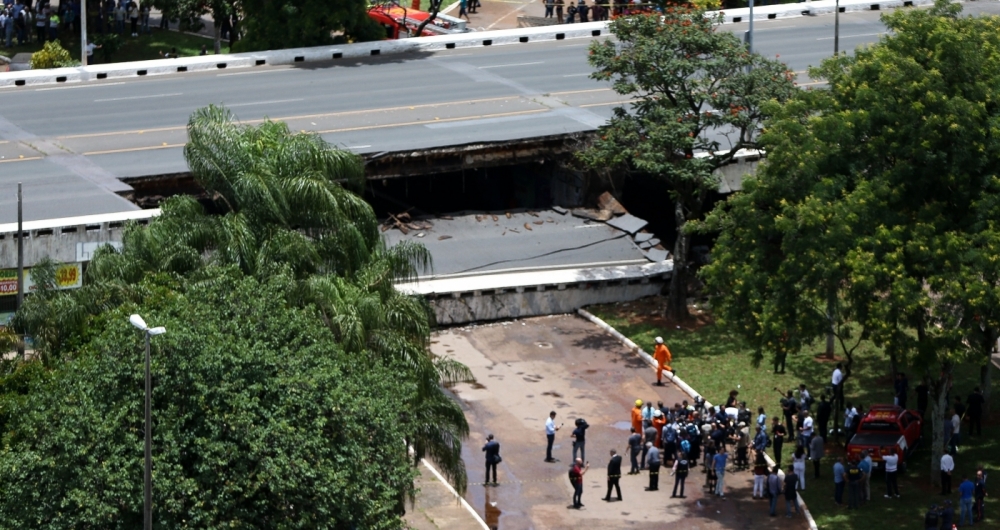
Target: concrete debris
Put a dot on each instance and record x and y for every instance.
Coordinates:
(656, 255)
(508, 215)
(442, 238)
(628, 223)
(527, 226)
(593, 215)
(538, 222)
(559, 210)
(643, 236)
(653, 242)
(645, 245)
(607, 202)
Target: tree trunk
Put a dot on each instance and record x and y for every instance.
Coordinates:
(939, 391)
(677, 302)
(893, 369)
(830, 313)
(217, 34)
(234, 33)
(985, 382)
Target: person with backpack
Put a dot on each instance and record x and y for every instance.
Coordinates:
(614, 475)
(680, 473)
(580, 438)
(576, 474)
(778, 432)
(492, 450)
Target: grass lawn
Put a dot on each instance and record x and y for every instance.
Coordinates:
(141, 48)
(714, 362)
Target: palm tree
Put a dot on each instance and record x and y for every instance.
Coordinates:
(282, 202)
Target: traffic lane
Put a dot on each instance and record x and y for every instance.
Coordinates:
(563, 363)
(50, 192)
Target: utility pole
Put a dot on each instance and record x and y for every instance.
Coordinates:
(836, 29)
(83, 32)
(20, 262)
(750, 39)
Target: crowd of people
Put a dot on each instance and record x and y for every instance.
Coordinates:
(25, 20)
(677, 439)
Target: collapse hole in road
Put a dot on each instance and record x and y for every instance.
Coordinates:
(182, 68)
(102, 75)
(338, 55)
(141, 72)
(523, 39)
(260, 62)
(772, 16)
(450, 45)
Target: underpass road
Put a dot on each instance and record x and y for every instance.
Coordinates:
(136, 127)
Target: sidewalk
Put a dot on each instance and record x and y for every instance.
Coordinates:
(564, 363)
(437, 508)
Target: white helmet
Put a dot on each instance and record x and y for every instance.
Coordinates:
(659, 340)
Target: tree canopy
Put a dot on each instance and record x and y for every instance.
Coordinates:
(278, 296)
(696, 99)
(881, 194)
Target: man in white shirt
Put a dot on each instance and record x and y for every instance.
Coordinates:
(947, 466)
(550, 434)
(838, 385)
(891, 460)
(956, 422)
(806, 431)
(805, 400)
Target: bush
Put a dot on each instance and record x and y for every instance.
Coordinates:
(109, 44)
(52, 55)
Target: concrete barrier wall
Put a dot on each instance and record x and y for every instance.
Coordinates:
(420, 44)
(298, 55)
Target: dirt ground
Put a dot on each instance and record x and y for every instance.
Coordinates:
(564, 363)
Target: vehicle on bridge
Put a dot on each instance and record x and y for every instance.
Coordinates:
(401, 22)
(886, 426)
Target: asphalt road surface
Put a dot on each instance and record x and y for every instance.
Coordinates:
(70, 144)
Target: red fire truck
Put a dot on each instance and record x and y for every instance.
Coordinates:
(402, 22)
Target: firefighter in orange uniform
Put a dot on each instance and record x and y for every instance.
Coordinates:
(663, 358)
(637, 416)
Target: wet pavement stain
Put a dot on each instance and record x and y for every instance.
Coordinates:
(553, 394)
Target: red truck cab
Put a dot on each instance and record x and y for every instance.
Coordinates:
(886, 426)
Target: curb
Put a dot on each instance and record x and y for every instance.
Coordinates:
(686, 388)
(465, 503)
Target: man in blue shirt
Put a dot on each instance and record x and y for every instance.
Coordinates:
(865, 465)
(719, 462)
(965, 490)
(838, 481)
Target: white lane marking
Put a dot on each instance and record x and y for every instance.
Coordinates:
(851, 36)
(573, 45)
(138, 97)
(263, 102)
(357, 146)
(506, 65)
(577, 75)
(254, 72)
(78, 86)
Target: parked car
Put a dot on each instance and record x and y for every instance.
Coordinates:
(886, 426)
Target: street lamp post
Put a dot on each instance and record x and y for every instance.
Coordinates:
(148, 332)
(836, 29)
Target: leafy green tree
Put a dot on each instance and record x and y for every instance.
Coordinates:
(883, 188)
(696, 99)
(261, 420)
(280, 203)
(294, 23)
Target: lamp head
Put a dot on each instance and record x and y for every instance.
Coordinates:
(156, 331)
(138, 322)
